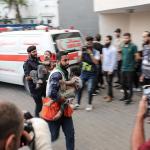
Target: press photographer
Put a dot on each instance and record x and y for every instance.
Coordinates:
(36, 133)
(89, 59)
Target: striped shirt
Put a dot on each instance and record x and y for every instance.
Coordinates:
(146, 62)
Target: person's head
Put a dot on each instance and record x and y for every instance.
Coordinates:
(126, 38)
(63, 59)
(11, 126)
(98, 37)
(32, 52)
(89, 40)
(117, 32)
(47, 55)
(146, 37)
(108, 40)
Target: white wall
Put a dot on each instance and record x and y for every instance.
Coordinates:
(109, 22)
(135, 23)
(139, 22)
(101, 5)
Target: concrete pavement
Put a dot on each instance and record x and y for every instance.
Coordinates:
(107, 127)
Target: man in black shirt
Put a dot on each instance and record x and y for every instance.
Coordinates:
(98, 46)
(32, 64)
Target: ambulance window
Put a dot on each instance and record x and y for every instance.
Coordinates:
(70, 41)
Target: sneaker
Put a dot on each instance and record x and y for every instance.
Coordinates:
(123, 99)
(76, 106)
(128, 102)
(137, 89)
(121, 90)
(89, 108)
(95, 93)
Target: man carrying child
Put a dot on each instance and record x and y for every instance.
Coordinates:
(59, 77)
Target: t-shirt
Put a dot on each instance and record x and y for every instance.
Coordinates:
(87, 65)
(146, 62)
(145, 146)
(98, 46)
(128, 57)
(109, 58)
(117, 44)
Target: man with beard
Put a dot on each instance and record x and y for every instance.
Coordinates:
(89, 59)
(129, 55)
(145, 77)
(109, 59)
(58, 75)
(117, 44)
(32, 64)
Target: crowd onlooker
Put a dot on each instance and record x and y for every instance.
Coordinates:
(109, 59)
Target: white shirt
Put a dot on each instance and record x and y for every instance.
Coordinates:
(42, 134)
(109, 58)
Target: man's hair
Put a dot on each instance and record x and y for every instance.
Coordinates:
(11, 119)
(31, 48)
(148, 33)
(127, 34)
(98, 37)
(118, 30)
(109, 37)
(60, 54)
(89, 38)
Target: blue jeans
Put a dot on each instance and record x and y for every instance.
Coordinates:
(68, 129)
(90, 79)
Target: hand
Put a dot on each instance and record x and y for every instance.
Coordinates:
(141, 78)
(142, 107)
(89, 51)
(25, 139)
(28, 78)
(58, 115)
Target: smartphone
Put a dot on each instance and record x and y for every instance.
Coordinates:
(146, 92)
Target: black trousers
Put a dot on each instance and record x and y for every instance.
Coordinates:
(109, 79)
(37, 95)
(68, 128)
(119, 71)
(127, 83)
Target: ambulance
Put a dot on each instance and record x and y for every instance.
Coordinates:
(14, 44)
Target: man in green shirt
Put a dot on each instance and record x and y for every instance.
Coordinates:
(129, 54)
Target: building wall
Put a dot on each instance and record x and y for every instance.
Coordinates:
(100, 5)
(135, 23)
(109, 22)
(139, 22)
(80, 14)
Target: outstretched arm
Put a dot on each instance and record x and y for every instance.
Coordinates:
(138, 136)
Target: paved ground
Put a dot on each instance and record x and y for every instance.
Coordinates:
(107, 127)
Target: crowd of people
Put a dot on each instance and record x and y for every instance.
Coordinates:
(53, 88)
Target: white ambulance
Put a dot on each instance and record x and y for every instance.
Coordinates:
(13, 49)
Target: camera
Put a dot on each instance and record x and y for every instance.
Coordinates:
(146, 92)
(28, 128)
(84, 48)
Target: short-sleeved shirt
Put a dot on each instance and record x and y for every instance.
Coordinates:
(145, 146)
(128, 57)
(88, 67)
